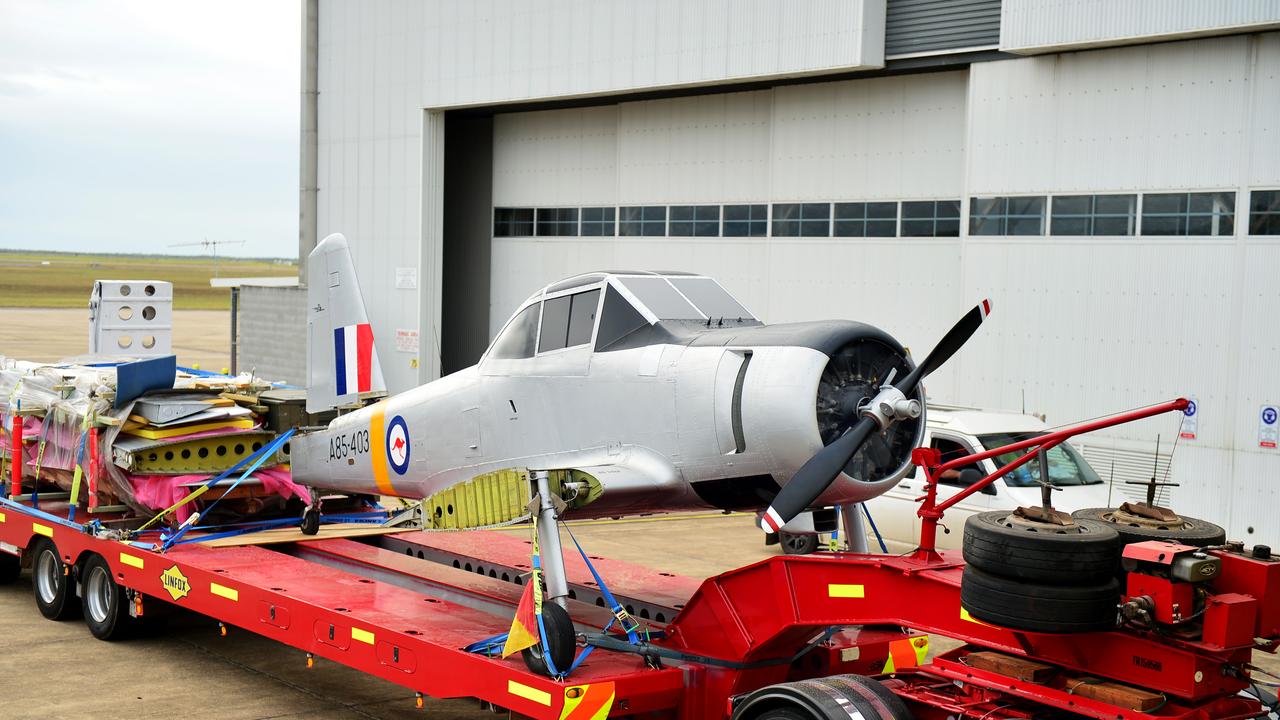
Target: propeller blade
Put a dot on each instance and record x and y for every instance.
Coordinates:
(815, 475)
(819, 471)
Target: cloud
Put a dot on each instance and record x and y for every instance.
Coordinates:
(130, 126)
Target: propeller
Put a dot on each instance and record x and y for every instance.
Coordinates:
(891, 404)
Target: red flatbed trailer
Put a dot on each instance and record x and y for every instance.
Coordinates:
(403, 606)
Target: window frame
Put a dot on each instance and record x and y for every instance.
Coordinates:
(569, 292)
(1091, 215)
(694, 221)
(1272, 214)
(934, 219)
(750, 222)
(532, 221)
(1003, 215)
(802, 220)
(865, 219)
(611, 222)
(642, 222)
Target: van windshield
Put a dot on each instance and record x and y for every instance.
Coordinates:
(1066, 465)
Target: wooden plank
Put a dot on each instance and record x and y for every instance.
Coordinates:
(1010, 666)
(1116, 694)
(284, 535)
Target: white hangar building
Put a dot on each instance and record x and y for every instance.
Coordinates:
(1107, 171)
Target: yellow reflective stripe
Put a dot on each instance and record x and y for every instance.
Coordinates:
(964, 615)
(1, 517)
(378, 448)
(529, 693)
(845, 591)
(39, 529)
(131, 560)
(223, 591)
(363, 636)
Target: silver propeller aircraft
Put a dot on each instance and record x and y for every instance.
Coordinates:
(648, 391)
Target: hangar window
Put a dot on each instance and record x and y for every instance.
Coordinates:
(1264, 212)
(1006, 216)
(930, 218)
(746, 220)
(567, 321)
(512, 222)
(517, 339)
(1093, 215)
(1188, 213)
(694, 221)
(802, 220)
(598, 221)
(557, 222)
(866, 219)
(647, 221)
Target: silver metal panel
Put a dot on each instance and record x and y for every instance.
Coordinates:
(927, 26)
(1036, 26)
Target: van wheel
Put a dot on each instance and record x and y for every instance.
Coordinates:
(10, 568)
(51, 582)
(1020, 605)
(1002, 544)
(561, 638)
(106, 609)
(798, 543)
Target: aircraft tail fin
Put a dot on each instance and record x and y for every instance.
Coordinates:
(342, 362)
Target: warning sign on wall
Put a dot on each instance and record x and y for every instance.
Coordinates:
(1190, 420)
(407, 341)
(1268, 427)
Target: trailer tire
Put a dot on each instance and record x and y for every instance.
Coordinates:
(798, 543)
(51, 581)
(105, 606)
(1086, 553)
(1033, 607)
(561, 638)
(834, 698)
(1191, 531)
(10, 568)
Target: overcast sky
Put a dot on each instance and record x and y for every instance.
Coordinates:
(132, 125)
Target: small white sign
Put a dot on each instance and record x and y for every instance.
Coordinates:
(1269, 427)
(406, 278)
(407, 341)
(1190, 420)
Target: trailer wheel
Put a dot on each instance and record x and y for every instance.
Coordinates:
(1020, 605)
(835, 698)
(884, 703)
(798, 543)
(51, 581)
(1188, 531)
(1087, 552)
(561, 638)
(106, 609)
(10, 568)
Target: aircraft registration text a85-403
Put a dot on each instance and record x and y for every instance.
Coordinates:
(349, 444)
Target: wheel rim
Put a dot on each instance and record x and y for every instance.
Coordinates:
(98, 589)
(48, 574)
(797, 542)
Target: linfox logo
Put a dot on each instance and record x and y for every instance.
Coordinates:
(175, 582)
(1148, 663)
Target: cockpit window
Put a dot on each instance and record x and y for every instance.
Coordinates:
(568, 321)
(662, 300)
(517, 339)
(618, 319)
(707, 295)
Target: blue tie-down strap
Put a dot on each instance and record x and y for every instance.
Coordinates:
(628, 624)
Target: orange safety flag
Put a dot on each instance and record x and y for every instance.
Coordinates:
(524, 627)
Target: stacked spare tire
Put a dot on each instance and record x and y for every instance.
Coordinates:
(1027, 574)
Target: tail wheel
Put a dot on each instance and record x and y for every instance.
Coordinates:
(10, 568)
(310, 524)
(51, 581)
(105, 605)
(834, 698)
(560, 638)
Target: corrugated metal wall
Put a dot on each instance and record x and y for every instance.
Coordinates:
(1033, 26)
(922, 26)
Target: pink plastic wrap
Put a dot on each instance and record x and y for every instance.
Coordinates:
(158, 492)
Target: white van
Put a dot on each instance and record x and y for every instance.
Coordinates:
(958, 431)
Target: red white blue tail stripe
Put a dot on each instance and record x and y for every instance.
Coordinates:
(353, 358)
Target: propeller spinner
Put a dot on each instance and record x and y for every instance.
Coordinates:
(892, 403)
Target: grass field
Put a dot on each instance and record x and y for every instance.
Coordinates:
(64, 280)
